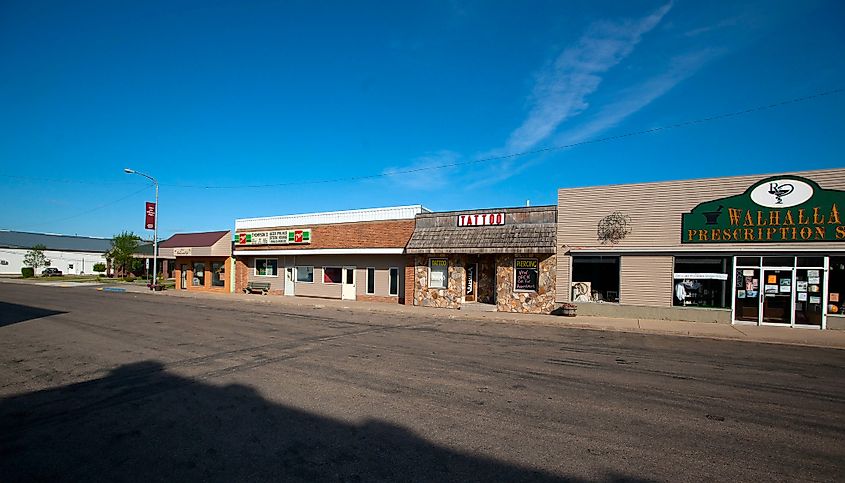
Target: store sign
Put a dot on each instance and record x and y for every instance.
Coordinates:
(183, 252)
(280, 237)
(470, 280)
(481, 219)
(775, 210)
(526, 274)
(700, 276)
(150, 222)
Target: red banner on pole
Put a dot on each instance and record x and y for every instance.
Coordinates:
(151, 216)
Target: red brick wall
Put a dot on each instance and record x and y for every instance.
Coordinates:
(377, 298)
(241, 275)
(366, 234)
(410, 281)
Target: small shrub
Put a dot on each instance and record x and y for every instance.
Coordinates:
(99, 267)
(129, 278)
(28, 272)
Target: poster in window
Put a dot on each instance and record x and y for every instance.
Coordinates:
(772, 279)
(802, 296)
(834, 297)
(751, 294)
(740, 294)
(527, 274)
(801, 286)
(815, 300)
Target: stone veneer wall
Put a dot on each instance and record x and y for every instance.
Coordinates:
(450, 297)
(541, 302)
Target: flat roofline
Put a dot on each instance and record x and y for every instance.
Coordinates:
(712, 178)
(488, 210)
(404, 212)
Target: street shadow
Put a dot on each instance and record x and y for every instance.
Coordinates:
(14, 313)
(141, 423)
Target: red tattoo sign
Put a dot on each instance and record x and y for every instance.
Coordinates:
(151, 216)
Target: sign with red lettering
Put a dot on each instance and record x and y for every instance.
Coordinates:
(481, 219)
(150, 223)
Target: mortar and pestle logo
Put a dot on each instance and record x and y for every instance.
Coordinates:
(713, 216)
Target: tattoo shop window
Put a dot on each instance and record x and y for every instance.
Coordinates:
(438, 273)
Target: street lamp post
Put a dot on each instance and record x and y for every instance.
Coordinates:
(155, 224)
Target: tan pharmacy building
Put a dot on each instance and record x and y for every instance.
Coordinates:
(763, 250)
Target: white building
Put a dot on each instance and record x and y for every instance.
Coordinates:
(75, 255)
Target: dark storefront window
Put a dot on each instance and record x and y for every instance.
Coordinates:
(217, 274)
(332, 275)
(199, 274)
(595, 278)
(701, 282)
(371, 280)
(394, 281)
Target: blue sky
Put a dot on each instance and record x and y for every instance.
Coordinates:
(244, 93)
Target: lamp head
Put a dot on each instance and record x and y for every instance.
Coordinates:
(128, 171)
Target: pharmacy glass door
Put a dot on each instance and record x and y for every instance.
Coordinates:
(777, 295)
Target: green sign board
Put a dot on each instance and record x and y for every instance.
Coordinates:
(780, 209)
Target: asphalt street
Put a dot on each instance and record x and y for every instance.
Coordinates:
(99, 386)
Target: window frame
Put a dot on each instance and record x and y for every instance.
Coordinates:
(194, 274)
(370, 279)
(296, 269)
(389, 271)
(515, 290)
(255, 267)
(445, 279)
(324, 276)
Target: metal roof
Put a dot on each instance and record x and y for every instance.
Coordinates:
(347, 216)
(70, 243)
(203, 239)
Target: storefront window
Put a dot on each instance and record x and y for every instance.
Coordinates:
(394, 281)
(266, 267)
(595, 279)
(217, 273)
(332, 275)
(371, 280)
(526, 275)
(199, 274)
(305, 274)
(438, 273)
(701, 282)
(836, 286)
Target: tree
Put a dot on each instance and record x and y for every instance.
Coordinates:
(123, 248)
(35, 257)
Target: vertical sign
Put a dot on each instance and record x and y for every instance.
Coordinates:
(151, 216)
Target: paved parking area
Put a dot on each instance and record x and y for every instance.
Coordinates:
(111, 386)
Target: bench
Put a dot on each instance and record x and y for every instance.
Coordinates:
(252, 287)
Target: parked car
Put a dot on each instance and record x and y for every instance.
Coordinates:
(51, 272)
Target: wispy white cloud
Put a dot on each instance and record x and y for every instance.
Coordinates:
(639, 96)
(421, 174)
(561, 90)
(728, 22)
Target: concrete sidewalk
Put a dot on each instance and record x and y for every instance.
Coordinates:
(749, 333)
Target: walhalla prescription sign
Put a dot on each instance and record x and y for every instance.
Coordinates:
(775, 210)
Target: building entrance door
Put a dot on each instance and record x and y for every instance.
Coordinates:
(777, 296)
(183, 283)
(471, 289)
(289, 281)
(348, 287)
